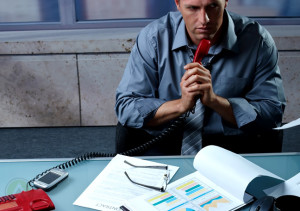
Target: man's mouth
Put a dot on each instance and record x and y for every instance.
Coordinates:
(202, 29)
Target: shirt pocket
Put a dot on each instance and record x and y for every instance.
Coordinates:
(232, 87)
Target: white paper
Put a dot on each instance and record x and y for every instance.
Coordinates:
(111, 188)
(289, 187)
(218, 184)
(224, 167)
(289, 125)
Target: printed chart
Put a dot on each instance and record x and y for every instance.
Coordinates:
(190, 195)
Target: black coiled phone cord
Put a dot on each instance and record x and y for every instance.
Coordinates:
(175, 125)
(202, 50)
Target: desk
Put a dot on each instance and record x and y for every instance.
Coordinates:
(15, 173)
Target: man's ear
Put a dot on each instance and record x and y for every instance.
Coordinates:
(177, 3)
(226, 3)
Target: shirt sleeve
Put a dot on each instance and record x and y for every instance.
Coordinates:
(264, 104)
(136, 100)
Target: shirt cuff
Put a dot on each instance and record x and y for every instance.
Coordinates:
(243, 111)
(147, 107)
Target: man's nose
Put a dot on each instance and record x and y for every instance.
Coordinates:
(203, 17)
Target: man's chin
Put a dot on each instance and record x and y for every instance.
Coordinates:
(207, 37)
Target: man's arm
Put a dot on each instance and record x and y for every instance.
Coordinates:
(135, 95)
(166, 112)
(173, 109)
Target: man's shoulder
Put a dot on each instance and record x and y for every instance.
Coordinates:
(246, 25)
(242, 23)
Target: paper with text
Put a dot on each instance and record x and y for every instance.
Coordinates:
(111, 188)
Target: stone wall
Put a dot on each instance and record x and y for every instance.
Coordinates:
(69, 77)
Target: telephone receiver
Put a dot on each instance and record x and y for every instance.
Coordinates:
(201, 51)
(27, 201)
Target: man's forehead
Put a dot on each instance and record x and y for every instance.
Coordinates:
(200, 1)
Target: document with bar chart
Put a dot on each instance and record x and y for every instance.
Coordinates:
(219, 184)
(187, 194)
(190, 194)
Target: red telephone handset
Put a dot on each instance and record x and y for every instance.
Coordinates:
(202, 50)
(35, 199)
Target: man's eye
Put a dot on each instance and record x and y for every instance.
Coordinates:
(214, 5)
(192, 8)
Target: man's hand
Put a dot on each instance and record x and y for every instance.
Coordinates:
(191, 89)
(195, 83)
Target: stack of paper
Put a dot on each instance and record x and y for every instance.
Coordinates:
(111, 188)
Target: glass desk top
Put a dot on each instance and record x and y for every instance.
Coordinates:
(14, 174)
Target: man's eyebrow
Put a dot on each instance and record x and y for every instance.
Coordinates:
(191, 5)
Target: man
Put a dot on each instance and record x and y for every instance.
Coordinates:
(238, 82)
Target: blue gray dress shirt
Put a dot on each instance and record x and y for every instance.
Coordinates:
(243, 67)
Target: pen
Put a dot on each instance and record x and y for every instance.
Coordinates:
(124, 208)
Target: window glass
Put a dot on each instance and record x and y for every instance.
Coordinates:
(265, 8)
(87, 10)
(122, 9)
(78, 14)
(29, 11)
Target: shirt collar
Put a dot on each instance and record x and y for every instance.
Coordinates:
(229, 41)
(180, 39)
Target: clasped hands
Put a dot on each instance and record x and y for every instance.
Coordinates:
(196, 83)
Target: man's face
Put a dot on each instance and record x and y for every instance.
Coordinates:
(203, 18)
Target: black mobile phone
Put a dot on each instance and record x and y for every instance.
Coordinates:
(50, 179)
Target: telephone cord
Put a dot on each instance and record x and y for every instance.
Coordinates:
(167, 132)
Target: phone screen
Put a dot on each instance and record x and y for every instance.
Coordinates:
(49, 177)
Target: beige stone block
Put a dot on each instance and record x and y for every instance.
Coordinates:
(289, 63)
(99, 77)
(68, 41)
(286, 37)
(38, 91)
